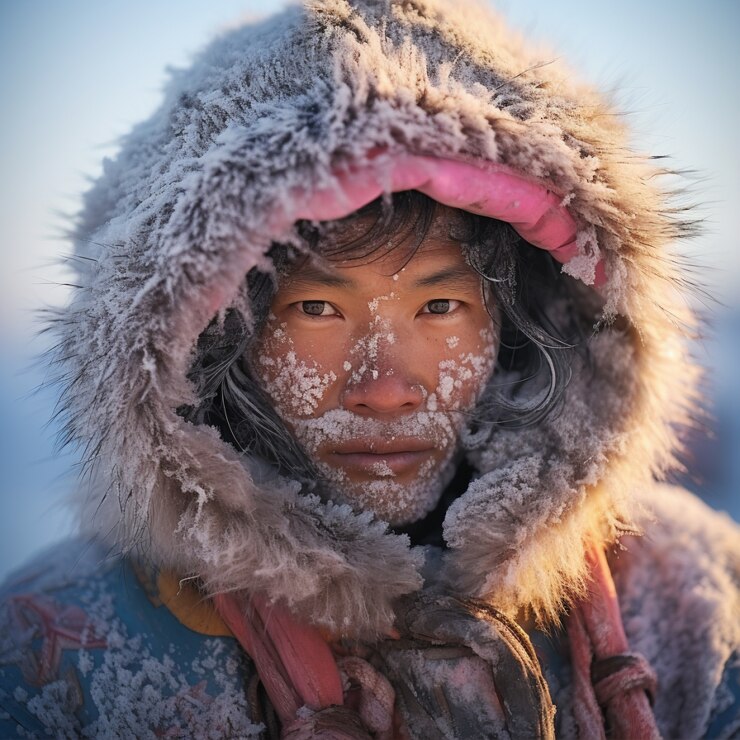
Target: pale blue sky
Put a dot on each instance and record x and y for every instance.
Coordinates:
(75, 75)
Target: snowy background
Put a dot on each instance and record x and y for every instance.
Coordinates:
(74, 76)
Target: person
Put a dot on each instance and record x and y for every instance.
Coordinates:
(377, 358)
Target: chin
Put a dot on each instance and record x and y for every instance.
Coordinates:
(395, 500)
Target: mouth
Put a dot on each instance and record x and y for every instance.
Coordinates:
(380, 457)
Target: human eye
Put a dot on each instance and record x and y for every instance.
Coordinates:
(316, 308)
(440, 306)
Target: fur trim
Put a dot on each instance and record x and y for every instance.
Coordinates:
(180, 216)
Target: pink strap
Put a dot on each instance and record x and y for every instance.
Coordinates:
(298, 668)
(301, 677)
(488, 189)
(604, 671)
(293, 660)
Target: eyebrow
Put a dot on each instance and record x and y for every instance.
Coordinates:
(310, 276)
(459, 276)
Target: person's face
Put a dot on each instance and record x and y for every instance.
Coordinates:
(373, 366)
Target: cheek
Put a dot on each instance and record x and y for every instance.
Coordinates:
(467, 362)
(291, 374)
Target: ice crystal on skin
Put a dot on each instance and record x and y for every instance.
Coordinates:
(367, 348)
(337, 425)
(293, 383)
(298, 386)
(374, 304)
(391, 499)
(382, 470)
(439, 421)
(279, 332)
(455, 374)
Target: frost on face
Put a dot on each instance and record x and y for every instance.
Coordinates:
(439, 421)
(292, 383)
(456, 375)
(374, 304)
(366, 351)
(466, 374)
(396, 501)
(382, 470)
(299, 388)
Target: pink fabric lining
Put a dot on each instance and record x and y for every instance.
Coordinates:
(488, 189)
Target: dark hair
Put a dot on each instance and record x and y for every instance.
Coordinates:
(539, 328)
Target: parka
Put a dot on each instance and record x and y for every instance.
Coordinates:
(191, 550)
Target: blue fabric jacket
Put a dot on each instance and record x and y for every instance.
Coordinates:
(101, 648)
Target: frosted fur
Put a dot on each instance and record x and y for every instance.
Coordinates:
(683, 579)
(171, 228)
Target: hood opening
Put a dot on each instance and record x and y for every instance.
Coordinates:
(542, 329)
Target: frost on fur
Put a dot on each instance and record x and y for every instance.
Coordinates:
(189, 206)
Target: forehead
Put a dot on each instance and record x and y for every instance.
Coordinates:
(364, 243)
(376, 217)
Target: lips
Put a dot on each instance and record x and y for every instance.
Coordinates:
(379, 457)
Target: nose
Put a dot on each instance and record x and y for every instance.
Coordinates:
(386, 392)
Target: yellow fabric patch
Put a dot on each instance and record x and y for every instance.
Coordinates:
(188, 605)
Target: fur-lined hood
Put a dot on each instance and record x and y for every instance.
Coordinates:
(195, 198)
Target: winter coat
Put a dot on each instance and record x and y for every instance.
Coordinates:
(310, 115)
